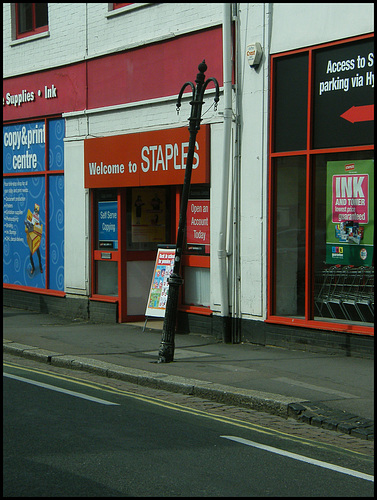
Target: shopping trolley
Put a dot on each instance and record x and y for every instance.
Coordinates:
(345, 293)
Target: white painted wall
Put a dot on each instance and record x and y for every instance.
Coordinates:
(253, 88)
(297, 25)
(76, 217)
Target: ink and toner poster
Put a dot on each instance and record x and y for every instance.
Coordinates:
(350, 212)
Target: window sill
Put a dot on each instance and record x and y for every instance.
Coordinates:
(123, 10)
(30, 38)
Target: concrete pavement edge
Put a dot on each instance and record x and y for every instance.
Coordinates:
(275, 404)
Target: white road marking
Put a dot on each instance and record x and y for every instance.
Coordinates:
(312, 461)
(58, 389)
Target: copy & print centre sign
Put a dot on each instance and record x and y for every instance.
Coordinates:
(145, 159)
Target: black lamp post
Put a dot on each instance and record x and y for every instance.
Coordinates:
(166, 352)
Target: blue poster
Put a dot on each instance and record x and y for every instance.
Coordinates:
(108, 224)
(25, 201)
(56, 134)
(56, 232)
(24, 229)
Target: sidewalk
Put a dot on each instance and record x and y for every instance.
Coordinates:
(330, 391)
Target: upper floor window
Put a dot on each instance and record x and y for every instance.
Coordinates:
(120, 5)
(31, 18)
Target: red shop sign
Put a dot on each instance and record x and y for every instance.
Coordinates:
(156, 158)
(198, 222)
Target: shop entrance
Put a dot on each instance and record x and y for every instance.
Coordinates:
(128, 225)
(135, 181)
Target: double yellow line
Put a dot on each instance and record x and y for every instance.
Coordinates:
(177, 407)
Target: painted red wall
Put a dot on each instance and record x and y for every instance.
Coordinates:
(154, 71)
(149, 72)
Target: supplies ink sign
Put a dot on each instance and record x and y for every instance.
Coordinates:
(344, 95)
(350, 212)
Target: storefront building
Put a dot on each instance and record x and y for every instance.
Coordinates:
(280, 222)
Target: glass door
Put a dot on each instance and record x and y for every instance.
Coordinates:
(148, 224)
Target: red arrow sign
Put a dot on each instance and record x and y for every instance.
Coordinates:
(359, 113)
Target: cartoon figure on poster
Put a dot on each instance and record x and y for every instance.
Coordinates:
(33, 230)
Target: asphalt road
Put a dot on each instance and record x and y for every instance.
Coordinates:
(66, 437)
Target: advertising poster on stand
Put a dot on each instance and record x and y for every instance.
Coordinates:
(158, 294)
(350, 212)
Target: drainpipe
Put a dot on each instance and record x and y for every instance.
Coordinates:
(222, 251)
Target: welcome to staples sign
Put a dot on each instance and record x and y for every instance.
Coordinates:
(145, 159)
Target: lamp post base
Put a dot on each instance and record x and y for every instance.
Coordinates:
(166, 352)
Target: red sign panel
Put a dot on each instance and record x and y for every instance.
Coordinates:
(155, 158)
(147, 72)
(198, 222)
(45, 93)
(350, 198)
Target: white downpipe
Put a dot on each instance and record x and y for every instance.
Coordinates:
(227, 78)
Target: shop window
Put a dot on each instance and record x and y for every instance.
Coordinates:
(148, 217)
(344, 233)
(290, 237)
(290, 120)
(196, 257)
(197, 286)
(321, 217)
(33, 205)
(31, 18)
(107, 278)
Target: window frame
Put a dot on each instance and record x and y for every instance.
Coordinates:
(35, 30)
(309, 153)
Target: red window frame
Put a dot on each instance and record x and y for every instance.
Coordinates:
(309, 153)
(120, 5)
(34, 30)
